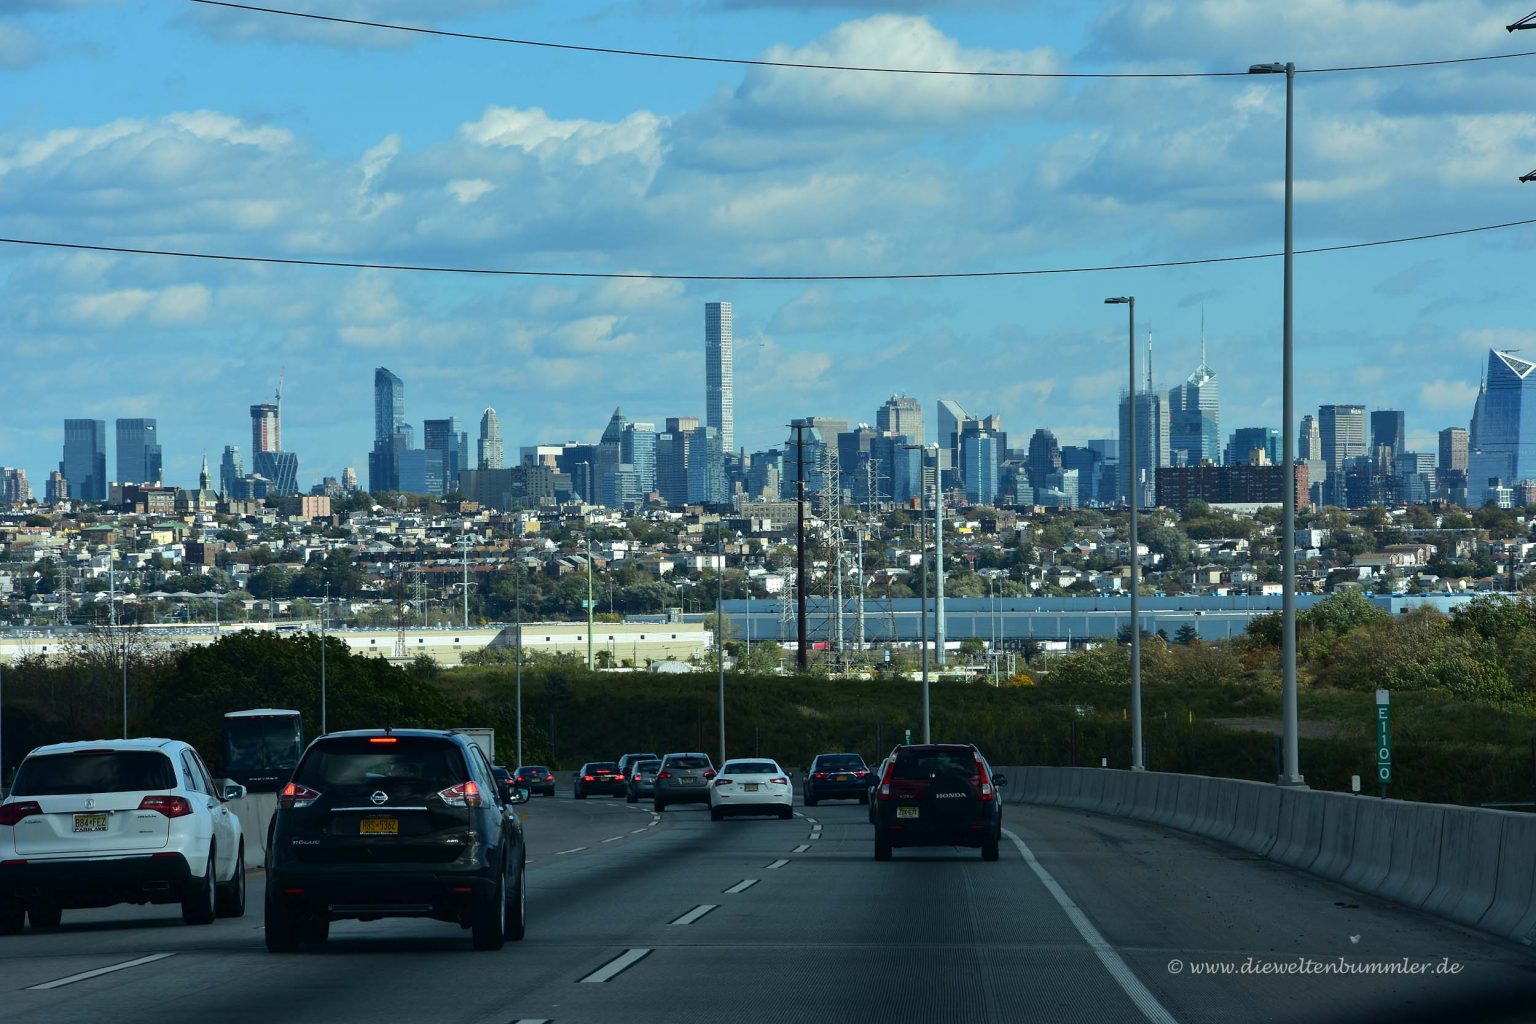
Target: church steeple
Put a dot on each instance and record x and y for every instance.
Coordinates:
(203, 479)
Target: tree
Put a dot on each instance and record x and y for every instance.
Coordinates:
(973, 647)
(1187, 635)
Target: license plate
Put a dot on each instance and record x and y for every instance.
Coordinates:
(906, 812)
(842, 778)
(379, 827)
(750, 787)
(90, 823)
(687, 780)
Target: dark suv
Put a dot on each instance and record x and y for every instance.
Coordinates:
(836, 777)
(394, 823)
(938, 794)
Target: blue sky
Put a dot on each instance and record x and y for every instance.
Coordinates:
(168, 124)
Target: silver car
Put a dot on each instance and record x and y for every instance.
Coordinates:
(642, 779)
(683, 779)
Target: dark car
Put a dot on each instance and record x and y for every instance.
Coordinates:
(836, 777)
(504, 781)
(536, 779)
(642, 780)
(938, 794)
(394, 823)
(682, 779)
(597, 777)
(628, 761)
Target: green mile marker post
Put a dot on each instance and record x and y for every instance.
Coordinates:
(1383, 740)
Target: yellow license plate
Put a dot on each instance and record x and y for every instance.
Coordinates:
(842, 778)
(90, 823)
(379, 827)
(906, 812)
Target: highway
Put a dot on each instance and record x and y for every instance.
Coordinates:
(635, 917)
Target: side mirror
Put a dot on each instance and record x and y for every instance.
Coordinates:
(999, 781)
(232, 791)
(519, 795)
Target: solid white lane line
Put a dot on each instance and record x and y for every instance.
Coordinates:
(636, 831)
(741, 886)
(613, 968)
(1145, 1001)
(98, 972)
(577, 849)
(613, 839)
(696, 913)
(801, 848)
(777, 864)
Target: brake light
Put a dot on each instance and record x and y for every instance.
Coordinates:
(295, 795)
(885, 780)
(383, 739)
(861, 773)
(709, 773)
(586, 778)
(663, 775)
(170, 806)
(465, 794)
(723, 781)
(778, 780)
(819, 775)
(985, 780)
(521, 779)
(10, 814)
(618, 778)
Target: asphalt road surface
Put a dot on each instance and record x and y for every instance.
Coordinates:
(637, 918)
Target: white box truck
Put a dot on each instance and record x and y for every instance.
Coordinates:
(485, 739)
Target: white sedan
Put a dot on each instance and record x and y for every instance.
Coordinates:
(751, 785)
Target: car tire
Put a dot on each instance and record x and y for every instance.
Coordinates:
(315, 929)
(659, 806)
(517, 914)
(280, 929)
(717, 814)
(630, 798)
(488, 918)
(989, 850)
(44, 917)
(12, 919)
(230, 901)
(197, 899)
(578, 794)
(810, 800)
(863, 798)
(786, 813)
(882, 847)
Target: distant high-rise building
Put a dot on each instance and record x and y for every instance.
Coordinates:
(1044, 457)
(1453, 450)
(445, 436)
(951, 419)
(57, 488)
(719, 385)
(706, 468)
(349, 480)
(1343, 434)
(1388, 427)
(138, 452)
(979, 467)
(14, 488)
(85, 459)
(491, 453)
(1152, 447)
(901, 414)
(639, 450)
(231, 469)
(280, 470)
(421, 471)
(1309, 441)
(1246, 440)
(1194, 416)
(266, 428)
(391, 434)
(1505, 451)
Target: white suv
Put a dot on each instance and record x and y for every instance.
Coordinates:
(103, 822)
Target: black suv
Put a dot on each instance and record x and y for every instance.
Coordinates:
(836, 777)
(394, 823)
(938, 794)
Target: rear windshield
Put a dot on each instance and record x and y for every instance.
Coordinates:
(753, 768)
(928, 764)
(116, 771)
(533, 768)
(647, 766)
(414, 762)
(836, 762)
(643, 757)
(602, 766)
(687, 762)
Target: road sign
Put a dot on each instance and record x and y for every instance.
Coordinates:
(1383, 738)
(909, 738)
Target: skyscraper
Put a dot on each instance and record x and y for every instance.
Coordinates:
(1246, 440)
(1044, 457)
(266, 429)
(1343, 434)
(1152, 449)
(706, 468)
(1505, 427)
(231, 469)
(719, 386)
(1388, 428)
(138, 452)
(1309, 441)
(951, 419)
(491, 453)
(639, 451)
(1453, 450)
(979, 467)
(1194, 416)
(84, 464)
(901, 414)
(391, 434)
(452, 446)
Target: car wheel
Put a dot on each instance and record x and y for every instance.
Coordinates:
(659, 806)
(12, 918)
(197, 899)
(630, 798)
(44, 917)
(315, 929)
(717, 814)
(786, 813)
(231, 897)
(281, 934)
(989, 849)
(578, 794)
(810, 799)
(488, 919)
(863, 798)
(882, 847)
(517, 914)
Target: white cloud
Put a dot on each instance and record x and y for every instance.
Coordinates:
(1442, 395)
(19, 46)
(467, 190)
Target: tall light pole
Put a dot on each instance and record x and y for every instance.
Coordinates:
(938, 560)
(464, 548)
(720, 633)
(589, 601)
(325, 605)
(922, 547)
(1290, 771)
(517, 592)
(1133, 495)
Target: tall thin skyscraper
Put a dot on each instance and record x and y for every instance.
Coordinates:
(84, 464)
(452, 444)
(391, 434)
(1388, 428)
(1194, 415)
(1453, 450)
(1309, 441)
(1506, 427)
(491, 452)
(231, 469)
(1152, 450)
(138, 452)
(719, 375)
(266, 429)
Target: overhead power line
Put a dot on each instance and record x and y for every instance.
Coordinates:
(641, 276)
(614, 51)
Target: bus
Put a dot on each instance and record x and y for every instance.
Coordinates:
(262, 747)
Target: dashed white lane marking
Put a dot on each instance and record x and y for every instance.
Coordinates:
(98, 972)
(801, 848)
(618, 965)
(815, 828)
(777, 864)
(1145, 1001)
(696, 913)
(531, 1020)
(814, 835)
(613, 839)
(577, 849)
(637, 831)
(741, 886)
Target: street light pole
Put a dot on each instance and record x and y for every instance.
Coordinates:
(517, 592)
(922, 561)
(1134, 500)
(323, 608)
(464, 546)
(720, 634)
(589, 601)
(938, 560)
(1290, 772)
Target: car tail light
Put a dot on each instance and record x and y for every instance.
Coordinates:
(985, 780)
(778, 780)
(723, 781)
(383, 739)
(10, 814)
(709, 773)
(295, 795)
(819, 775)
(618, 778)
(521, 779)
(170, 806)
(861, 773)
(586, 778)
(465, 794)
(885, 780)
(663, 775)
